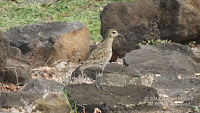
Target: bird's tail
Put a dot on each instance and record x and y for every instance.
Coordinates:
(85, 65)
(76, 73)
(79, 70)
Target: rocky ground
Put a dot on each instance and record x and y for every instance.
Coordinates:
(38, 63)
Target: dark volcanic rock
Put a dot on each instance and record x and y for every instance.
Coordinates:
(33, 91)
(10, 52)
(185, 90)
(14, 99)
(2, 56)
(174, 70)
(131, 21)
(17, 72)
(43, 85)
(184, 49)
(180, 20)
(154, 59)
(2, 66)
(177, 87)
(13, 65)
(51, 42)
(124, 99)
(176, 20)
(116, 75)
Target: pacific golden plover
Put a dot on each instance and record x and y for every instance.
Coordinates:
(100, 56)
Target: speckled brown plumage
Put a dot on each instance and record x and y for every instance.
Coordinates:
(102, 54)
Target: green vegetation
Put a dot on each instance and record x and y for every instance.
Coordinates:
(72, 105)
(153, 42)
(20, 12)
(195, 109)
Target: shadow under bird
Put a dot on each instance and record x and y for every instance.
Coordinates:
(100, 56)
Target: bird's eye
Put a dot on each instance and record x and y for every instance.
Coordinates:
(113, 32)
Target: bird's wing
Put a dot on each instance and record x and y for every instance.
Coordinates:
(98, 56)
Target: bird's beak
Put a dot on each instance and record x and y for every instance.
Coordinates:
(122, 36)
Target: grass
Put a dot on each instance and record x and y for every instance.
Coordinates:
(20, 12)
(65, 93)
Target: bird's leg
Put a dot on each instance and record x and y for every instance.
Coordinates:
(101, 75)
(96, 82)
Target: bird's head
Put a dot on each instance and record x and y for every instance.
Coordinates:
(112, 33)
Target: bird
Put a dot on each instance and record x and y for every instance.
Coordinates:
(101, 56)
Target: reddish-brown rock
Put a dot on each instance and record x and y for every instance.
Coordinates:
(73, 46)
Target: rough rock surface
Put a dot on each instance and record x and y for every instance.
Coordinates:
(31, 92)
(49, 42)
(17, 72)
(131, 21)
(180, 20)
(2, 66)
(166, 67)
(177, 87)
(14, 64)
(176, 20)
(126, 99)
(173, 69)
(152, 59)
(10, 52)
(14, 99)
(43, 85)
(52, 103)
(184, 49)
(116, 75)
(197, 99)
(2, 57)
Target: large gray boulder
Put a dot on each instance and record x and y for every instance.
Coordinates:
(157, 59)
(46, 43)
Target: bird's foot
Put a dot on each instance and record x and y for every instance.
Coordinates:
(102, 87)
(99, 86)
